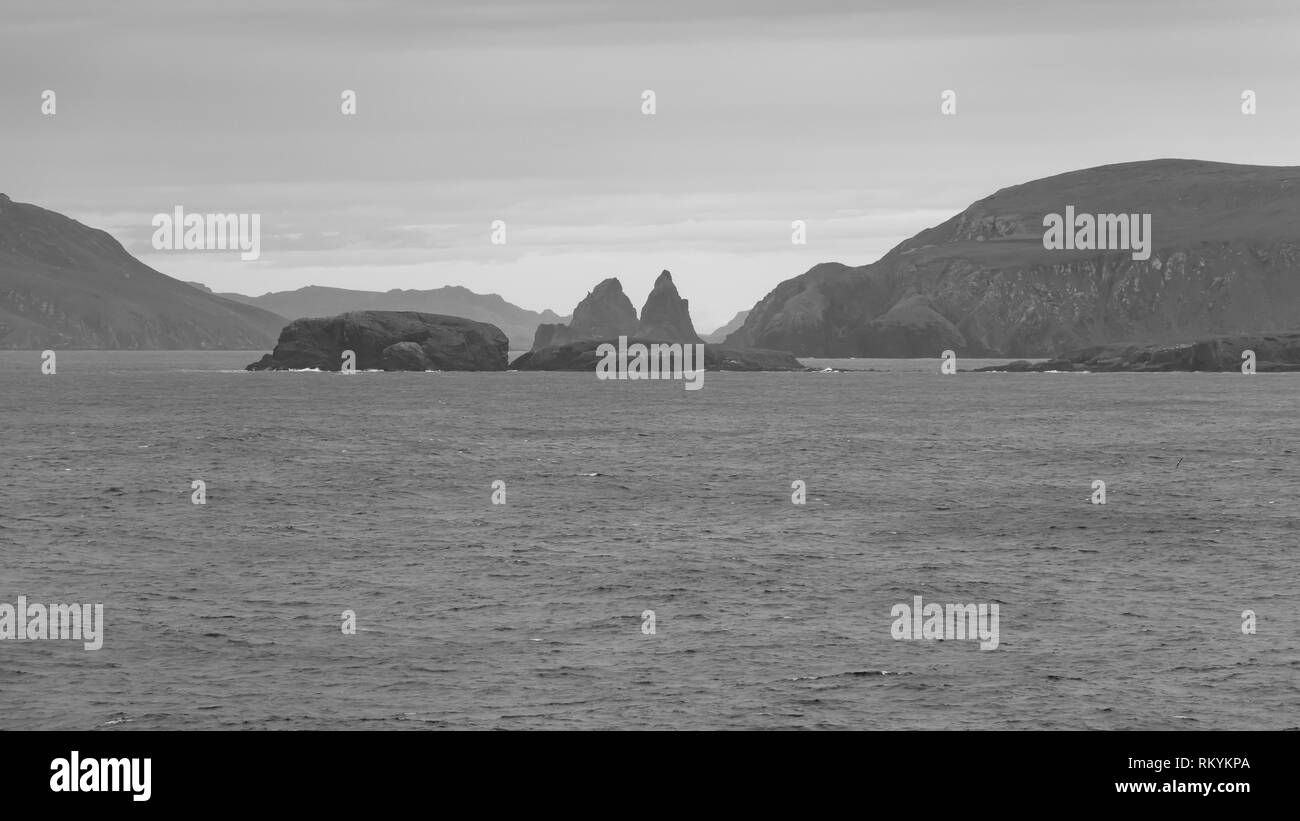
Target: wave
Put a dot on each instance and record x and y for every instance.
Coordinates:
(859, 673)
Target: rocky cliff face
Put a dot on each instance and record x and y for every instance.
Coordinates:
(65, 285)
(605, 312)
(1225, 260)
(665, 315)
(390, 341)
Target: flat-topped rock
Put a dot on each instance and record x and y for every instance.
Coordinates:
(390, 341)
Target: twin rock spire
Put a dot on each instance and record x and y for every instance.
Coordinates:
(606, 313)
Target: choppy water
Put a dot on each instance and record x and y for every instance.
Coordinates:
(373, 493)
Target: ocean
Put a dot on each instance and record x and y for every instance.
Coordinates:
(373, 493)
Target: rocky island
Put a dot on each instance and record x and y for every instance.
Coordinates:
(606, 314)
(390, 341)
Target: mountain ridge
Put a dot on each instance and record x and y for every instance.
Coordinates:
(64, 285)
(1225, 260)
(314, 301)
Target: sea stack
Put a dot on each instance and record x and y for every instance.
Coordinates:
(666, 315)
(605, 312)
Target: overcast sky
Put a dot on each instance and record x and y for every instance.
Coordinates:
(768, 111)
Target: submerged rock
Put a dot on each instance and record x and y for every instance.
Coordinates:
(391, 341)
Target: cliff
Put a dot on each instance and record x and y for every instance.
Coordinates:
(1225, 260)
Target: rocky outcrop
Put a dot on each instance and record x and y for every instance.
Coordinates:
(582, 356)
(604, 312)
(1225, 260)
(665, 315)
(1272, 353)
(406, 356)
(391, 341)
(607, 313)
(911, 325)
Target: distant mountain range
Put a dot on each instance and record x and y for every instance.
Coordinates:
(733, 324)
(1225, 260)
(65, 285)
(519, 324)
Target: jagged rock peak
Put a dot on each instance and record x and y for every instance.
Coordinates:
(603, 313)
(606, 309)
(666, 315)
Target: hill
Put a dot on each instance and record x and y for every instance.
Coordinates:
(1224, 259)
(66, 285)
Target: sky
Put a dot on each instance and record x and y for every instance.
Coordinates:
(531, 112)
